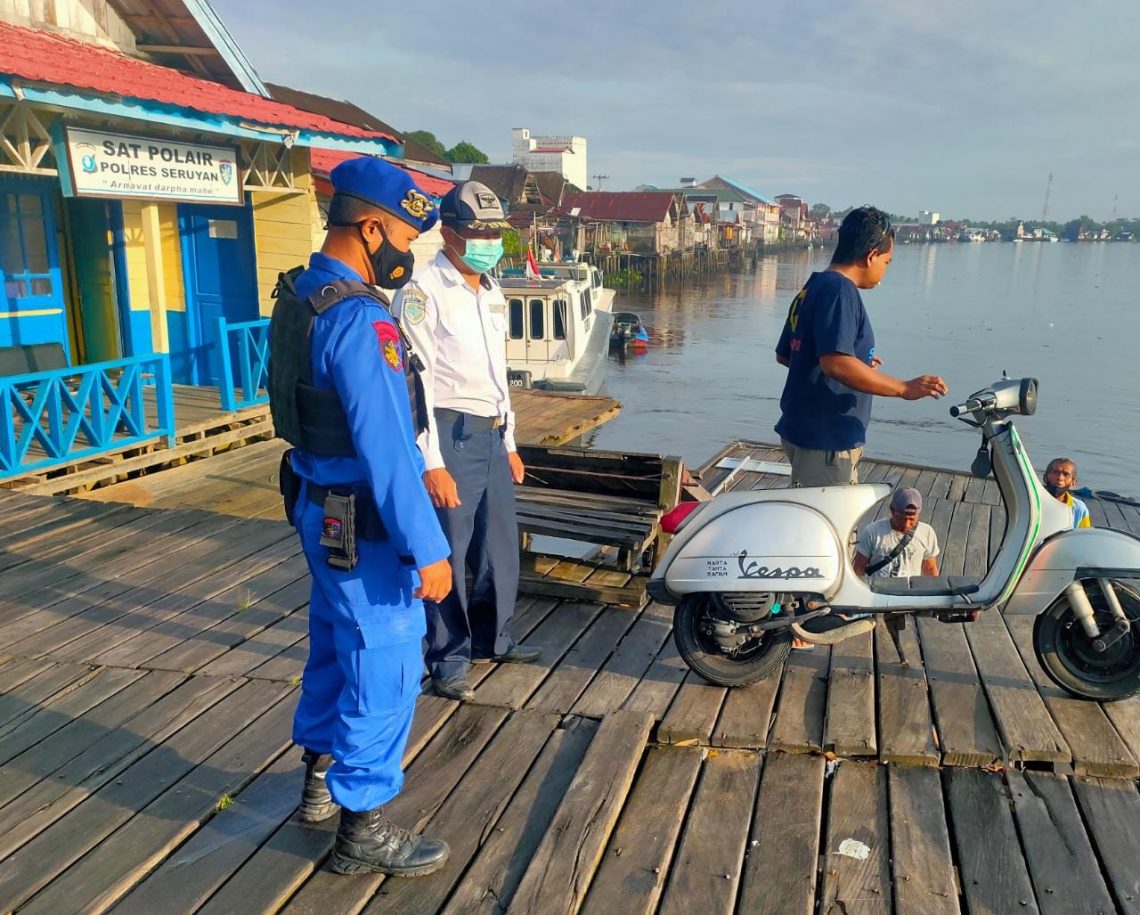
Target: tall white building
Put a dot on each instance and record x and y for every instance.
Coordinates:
(927, 218)
(565, 155)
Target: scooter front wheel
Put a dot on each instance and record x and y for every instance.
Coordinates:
(758, 658)
(1069, 658)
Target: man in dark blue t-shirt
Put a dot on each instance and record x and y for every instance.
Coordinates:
(829, 348)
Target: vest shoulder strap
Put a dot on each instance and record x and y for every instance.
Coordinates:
(338, 290)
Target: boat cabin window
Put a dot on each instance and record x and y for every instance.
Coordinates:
(596, 279)
(585, 306)
(517, 328)
(559, 319)
(537, 314)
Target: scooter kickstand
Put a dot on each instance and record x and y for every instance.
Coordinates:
(896, 623)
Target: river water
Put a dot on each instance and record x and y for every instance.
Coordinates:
(1065, 313)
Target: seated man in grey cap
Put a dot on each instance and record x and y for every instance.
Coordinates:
(899, 546)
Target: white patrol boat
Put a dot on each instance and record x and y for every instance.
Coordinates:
(558, 328)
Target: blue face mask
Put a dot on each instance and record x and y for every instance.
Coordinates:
(483, 253)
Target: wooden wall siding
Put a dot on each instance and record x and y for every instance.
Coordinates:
(283, 228)
(87, 20)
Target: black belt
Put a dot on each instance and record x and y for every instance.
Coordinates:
(467, 422)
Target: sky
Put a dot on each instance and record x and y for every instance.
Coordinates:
(961, 107)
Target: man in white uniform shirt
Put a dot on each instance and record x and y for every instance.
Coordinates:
(455, 315)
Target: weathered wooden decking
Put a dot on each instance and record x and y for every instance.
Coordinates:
(149, 660)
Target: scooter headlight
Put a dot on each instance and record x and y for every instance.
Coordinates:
(1028, 396)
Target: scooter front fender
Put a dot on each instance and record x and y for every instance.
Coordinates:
(1090, 552)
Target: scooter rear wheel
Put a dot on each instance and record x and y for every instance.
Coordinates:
(1067, 654)
(759, 658)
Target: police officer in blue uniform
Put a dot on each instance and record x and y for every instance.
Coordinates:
(344, 391)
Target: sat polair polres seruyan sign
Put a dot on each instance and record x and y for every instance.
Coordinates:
(103, 164)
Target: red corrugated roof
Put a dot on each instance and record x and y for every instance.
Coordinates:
(43, 57)
(618, 206)
(325, 160)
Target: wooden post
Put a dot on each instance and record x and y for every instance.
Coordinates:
(155, 277)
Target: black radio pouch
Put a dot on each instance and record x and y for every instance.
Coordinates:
(289, 485)
(338, 530)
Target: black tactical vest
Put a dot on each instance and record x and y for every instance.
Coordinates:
(308, 417)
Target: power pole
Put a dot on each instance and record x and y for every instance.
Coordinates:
(1045, 208)
(599, 179)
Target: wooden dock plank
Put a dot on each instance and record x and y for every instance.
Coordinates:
(49, 717)
(564, 863)
(288, 863)
(708, 865)
(906, 729)
(1062, 865)
(194, 872)
(52, 778)
(1096, 747)
(39, 861)
(857, 869)
(619, 675)
(1024, 724)
(471, 811)
(490, 882)
(920, 842)
(967, 735)
(566, 682)
(1111, 810)
(660, 684)
(511, 685)
(746, 716)
(802, 706)
(637, 858)
(850, 724)
(990, 860)
(782, 862)
(693, 713)
(108, 872)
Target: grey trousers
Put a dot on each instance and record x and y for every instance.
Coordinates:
(811, 467)
(483, 533)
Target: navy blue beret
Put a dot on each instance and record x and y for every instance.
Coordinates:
(387, 187)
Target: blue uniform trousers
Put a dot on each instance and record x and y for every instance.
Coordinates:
(483, 529)
(365, 662)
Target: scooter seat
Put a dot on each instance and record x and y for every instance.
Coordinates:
(926, 586)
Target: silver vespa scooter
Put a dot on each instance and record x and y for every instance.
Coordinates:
(748, 570)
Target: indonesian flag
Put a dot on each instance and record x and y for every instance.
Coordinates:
(531, 267)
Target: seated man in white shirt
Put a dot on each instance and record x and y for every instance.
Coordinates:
(899, 546)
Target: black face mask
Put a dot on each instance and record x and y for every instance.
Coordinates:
(391, 266)
(1054, 490)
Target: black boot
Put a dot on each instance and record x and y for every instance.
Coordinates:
(369, 841)
(316, 802)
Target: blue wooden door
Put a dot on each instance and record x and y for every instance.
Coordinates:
(221, 281)
(33, 309)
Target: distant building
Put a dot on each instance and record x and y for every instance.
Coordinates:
(760, 213)
(928, 218)
(565, 155)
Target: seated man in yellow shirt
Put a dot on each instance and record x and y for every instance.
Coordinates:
(1060, 478)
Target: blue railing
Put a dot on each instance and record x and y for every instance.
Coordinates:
(63, 415)
(247, 343)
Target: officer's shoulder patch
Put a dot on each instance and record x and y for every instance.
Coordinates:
(413, 304)
(389, 338)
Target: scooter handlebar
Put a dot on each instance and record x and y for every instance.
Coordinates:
(970, 406)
